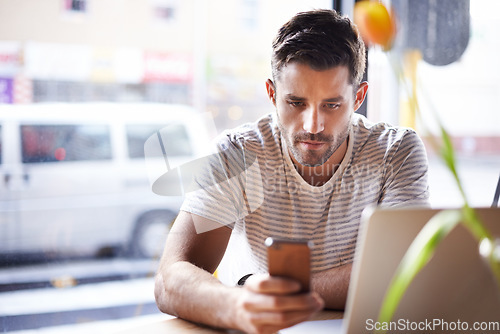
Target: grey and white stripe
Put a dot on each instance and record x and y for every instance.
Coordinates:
(384, 165)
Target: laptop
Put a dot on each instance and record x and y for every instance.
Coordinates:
(456, 288)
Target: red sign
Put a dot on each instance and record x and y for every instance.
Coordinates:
(167, 67)
(10, 60)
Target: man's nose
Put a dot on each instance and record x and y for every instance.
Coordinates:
(313, 121)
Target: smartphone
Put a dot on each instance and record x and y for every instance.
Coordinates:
(291, 259)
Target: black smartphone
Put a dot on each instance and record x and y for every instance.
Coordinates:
(291, 259)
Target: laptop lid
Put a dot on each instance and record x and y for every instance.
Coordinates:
(456, 288)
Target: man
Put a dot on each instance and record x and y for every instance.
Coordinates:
(308, 172)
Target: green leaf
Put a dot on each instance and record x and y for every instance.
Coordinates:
(417, 256)
(447, 152)
(474, 224)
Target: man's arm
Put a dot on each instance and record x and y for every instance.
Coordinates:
(184, 266)
(186, 288)
(332, 285)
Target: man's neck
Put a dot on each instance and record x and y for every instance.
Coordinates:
(319, 175)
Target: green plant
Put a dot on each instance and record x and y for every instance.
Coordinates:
(425, 244)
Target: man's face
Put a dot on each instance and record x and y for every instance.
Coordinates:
(314, 110)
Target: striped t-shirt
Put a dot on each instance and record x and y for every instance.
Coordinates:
(252, 186)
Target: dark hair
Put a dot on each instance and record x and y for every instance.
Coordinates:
(321, 39)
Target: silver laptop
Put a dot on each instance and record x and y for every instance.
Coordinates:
(455, 289)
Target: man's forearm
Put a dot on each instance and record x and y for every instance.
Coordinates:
(264, 305)
(189, 292)
(333, 285)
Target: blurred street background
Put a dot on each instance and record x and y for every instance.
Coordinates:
(80, 229)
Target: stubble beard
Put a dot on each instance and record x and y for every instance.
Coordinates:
(311, 158)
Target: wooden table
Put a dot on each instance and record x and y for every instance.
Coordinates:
(176, 325)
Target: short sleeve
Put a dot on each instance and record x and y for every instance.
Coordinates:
(218, 189)
(406, 173)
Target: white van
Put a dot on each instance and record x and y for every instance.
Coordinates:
(73, 177)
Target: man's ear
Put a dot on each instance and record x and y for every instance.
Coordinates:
(271, 91)
(360, 95)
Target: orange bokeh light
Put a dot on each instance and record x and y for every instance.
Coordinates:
(376, 23)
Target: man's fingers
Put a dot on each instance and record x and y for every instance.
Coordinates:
(279, 307)
(306, 302)
(267, 284)
(271, 322)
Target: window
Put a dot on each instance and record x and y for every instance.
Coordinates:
(249, 11)
(175, 139)
(52, 143)
(78, 6)
(164, 11)
(454, 79)
(233, 42)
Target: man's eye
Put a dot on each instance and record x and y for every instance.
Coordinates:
(296, 103)
(333, 105)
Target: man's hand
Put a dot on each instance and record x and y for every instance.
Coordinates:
(269, 304)
(186, 288)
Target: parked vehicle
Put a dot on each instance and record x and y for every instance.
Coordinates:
(73, 178)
